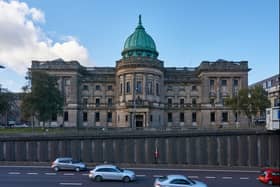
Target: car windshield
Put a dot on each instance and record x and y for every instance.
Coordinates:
(120, 169)
(192, 181)
(161, 179)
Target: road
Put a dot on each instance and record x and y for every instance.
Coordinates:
(31, 176)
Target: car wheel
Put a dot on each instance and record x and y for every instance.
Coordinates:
(77, 169)
(270, 182)
(98, 178)
(56, 168)
(126, 179)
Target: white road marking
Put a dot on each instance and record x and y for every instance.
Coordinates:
(71, 184)
(207, 170)
(84, 174)
(32, 173)
(50, 173)
(159, 169)
(140, 175)
(156, 176)
(226, 177)
(193, 177)
(244, 178)
(68, 174)
(210, 177)
(14, 173)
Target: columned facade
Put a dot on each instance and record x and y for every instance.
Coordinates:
(139, 92)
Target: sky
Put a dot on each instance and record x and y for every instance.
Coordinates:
(186, 32)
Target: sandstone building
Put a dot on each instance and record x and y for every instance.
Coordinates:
(139, 92)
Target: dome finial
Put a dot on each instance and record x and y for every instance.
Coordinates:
(140, 22)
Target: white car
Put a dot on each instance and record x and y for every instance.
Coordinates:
(111, 172)
(177, 181)
(67, 163)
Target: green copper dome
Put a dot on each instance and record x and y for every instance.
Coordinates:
(140, 43)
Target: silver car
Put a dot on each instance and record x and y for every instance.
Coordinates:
(67, 163)
(111, 172)
(177, 181)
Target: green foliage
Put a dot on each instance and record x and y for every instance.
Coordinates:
(5, 100)
(43, 99)
(249, 101)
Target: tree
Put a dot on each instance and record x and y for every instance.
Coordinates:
(6, 99)
(250, 102)
(42, 98)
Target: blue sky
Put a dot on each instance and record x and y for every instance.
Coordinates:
(186, 32)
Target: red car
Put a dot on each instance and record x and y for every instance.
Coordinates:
(270, 176)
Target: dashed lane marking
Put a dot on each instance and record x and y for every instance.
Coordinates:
(50, 173)
(84, 174)
(70, 174)
(226, 177)
(156, 176)
(140, 175)
(210, 177)
(71, 184)
(13, 173)
(244, 178)
(193, 177)
(32, 173)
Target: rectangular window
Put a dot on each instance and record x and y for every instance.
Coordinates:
(139, 87)
(193, 101)
(127, 87)
(109, 117)
(109, 87)
(97, 116)
(97, 102)
(110, 101)
(85, 101)
(235, 82)
(126, 118)
(169, 117)
(65, 116)
(224, 117)
(97, 87)
(212, 117)
(169, 101)
(182, 101)
(193, 87)
(182, 117)
(212, 82)
(212, 101)
(194, 117)
(157, 89)
(236, 117)
(85, 116)
(85, 87)
(151, 118)
(224, 82)
(121, 88)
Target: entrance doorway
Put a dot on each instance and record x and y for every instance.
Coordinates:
(139, 121)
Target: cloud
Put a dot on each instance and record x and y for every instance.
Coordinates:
(22, 40)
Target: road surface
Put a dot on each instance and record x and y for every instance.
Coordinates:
(32, 176)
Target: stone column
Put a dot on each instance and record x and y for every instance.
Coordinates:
(144, 86)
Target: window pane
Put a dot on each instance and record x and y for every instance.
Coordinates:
(97, 116)
(85, 116)
(66, 116)
(194, 117)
